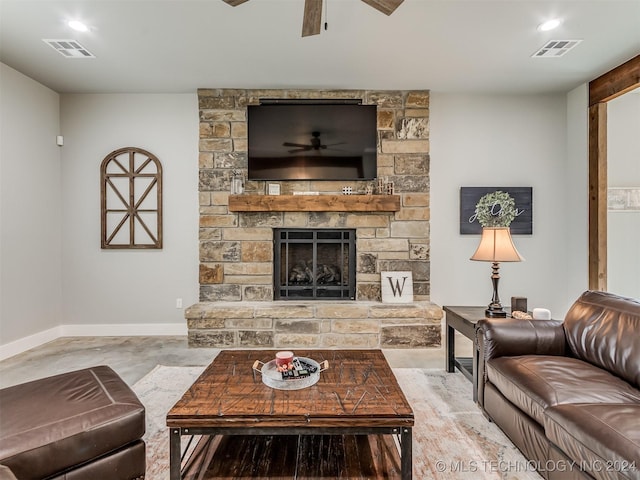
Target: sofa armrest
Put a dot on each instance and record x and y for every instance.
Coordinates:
(502, 337)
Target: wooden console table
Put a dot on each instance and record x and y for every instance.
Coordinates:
(314, 203)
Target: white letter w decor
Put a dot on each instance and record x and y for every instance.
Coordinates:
(131, 199)
(397, 287)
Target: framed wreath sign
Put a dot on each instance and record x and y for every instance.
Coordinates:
(496, 207)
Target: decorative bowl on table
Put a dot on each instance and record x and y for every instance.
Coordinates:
(305, 373)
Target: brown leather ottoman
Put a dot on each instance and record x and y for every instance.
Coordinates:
(85, 424)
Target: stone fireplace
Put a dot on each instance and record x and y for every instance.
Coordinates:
(241, 271)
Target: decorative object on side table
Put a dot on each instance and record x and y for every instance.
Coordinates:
(518, 304)
(519, 308)
(496, 246)
(495, 211)
(541, 314)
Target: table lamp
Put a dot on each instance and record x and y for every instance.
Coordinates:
(496, 246)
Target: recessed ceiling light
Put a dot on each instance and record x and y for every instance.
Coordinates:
(549, 25)
(78, 26)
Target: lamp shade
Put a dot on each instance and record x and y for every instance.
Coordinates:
(496, 245)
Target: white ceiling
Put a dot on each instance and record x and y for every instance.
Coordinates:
(162, 46)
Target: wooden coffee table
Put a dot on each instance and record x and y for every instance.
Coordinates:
(355, 414)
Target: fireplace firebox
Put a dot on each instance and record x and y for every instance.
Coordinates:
(314, 264)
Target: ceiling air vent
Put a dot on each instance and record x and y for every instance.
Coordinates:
(69, 48)
(556, 48)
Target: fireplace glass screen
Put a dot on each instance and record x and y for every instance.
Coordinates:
(314, 264)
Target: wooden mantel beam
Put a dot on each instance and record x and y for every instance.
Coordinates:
(314, 203)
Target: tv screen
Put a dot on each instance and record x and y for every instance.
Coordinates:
(312, 142)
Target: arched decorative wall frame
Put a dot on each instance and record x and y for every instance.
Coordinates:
(131, 200)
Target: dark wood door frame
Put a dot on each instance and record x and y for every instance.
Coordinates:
(612, 84)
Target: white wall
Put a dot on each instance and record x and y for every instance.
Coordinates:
(30, 208)
(537, 141)
(623, 170)
(503, 141)
(117, 287)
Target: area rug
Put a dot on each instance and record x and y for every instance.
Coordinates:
(451, 437)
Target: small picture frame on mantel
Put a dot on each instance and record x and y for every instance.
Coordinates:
(273, 189)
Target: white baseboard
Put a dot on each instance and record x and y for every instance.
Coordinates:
(124, 330)
(23, 344)
(99, 330)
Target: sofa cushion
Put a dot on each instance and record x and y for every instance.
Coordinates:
(603, 440)
(535, 382)
(55, 423)
(602, 328)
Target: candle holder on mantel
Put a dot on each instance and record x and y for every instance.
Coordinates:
(384, 187)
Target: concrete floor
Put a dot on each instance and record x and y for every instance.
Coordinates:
(134, 357)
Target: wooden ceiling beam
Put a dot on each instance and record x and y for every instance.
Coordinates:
(618, 81)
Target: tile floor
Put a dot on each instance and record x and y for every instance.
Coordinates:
(134, 357)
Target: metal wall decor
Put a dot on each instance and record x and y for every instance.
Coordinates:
(131, 199)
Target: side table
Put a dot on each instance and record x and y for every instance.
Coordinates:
(463, 320)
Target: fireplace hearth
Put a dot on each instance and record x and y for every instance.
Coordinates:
(314, 264)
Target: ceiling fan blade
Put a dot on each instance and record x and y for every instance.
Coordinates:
(234, 3)
(301, 145)
(385, 6)
(312, 17)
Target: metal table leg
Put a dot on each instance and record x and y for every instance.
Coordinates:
(175, 435)
(406, 452)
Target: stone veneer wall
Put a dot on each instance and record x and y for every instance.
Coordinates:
(236, 248)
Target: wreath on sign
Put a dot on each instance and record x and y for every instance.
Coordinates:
(496, 209)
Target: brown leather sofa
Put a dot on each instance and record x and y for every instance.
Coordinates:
(567, 393)
(81, 425)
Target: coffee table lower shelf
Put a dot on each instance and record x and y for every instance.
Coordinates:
(297, 457)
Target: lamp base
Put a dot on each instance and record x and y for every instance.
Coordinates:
(495, 312)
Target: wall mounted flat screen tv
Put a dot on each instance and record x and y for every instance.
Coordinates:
(308, 141)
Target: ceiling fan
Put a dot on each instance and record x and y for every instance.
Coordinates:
(314, 144)
(312, 19)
